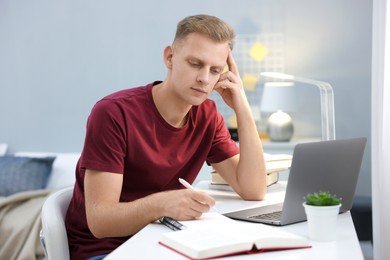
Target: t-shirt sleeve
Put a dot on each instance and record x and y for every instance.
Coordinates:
(105, 145)
(223, 147)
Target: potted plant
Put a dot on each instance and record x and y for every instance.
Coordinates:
(322, 209)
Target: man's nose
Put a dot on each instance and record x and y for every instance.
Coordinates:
(203, 76)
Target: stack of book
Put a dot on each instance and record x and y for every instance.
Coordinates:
(275, 163)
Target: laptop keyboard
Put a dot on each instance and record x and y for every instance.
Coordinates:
(268, 216)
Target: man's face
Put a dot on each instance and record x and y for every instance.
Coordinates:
(197, 63)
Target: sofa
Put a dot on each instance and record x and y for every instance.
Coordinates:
(26, 180)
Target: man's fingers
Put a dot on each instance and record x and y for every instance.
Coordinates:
(204, 199)
(232, 64)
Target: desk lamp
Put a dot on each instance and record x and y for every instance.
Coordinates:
(327, 103)
(277, 101)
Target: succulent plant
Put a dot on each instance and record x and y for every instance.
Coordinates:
(322, 198)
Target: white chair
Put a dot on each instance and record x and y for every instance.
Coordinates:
(53, 234)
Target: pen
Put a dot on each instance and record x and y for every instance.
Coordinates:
(186, 184)
(189, 186)
(172, 223)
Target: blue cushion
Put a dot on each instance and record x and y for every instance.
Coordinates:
(23, 173)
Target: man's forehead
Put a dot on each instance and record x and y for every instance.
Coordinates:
(203, 49)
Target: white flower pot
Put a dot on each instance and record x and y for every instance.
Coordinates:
(322, 221)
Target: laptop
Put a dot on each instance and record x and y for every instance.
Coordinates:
(332, 166)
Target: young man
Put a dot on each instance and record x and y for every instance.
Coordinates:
(139, 141)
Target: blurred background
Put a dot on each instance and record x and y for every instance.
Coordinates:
(57, 58)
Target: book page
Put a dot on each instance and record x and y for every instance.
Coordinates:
(268, 237)
(205, 242)
(277, 157)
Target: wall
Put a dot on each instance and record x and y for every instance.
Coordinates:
(59, 57)
(381, 129)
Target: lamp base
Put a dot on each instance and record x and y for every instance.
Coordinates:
(280, 127)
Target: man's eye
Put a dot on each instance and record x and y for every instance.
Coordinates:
(194, 64)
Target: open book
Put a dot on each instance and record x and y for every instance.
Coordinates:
(228, 237)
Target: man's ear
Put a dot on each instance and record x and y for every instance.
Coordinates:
(168, 54)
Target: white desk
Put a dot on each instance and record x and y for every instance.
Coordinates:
(144, 245)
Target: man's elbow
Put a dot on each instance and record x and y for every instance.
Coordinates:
(96, 223)
(253, 195)
(96, 229)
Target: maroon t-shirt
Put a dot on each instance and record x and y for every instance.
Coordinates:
(127, 135)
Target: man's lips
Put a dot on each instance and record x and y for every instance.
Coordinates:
(200, 90)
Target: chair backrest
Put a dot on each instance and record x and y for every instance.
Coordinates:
(54, 234)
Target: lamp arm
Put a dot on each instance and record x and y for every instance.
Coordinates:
(327, 111)
(327, 103)
(327, 107)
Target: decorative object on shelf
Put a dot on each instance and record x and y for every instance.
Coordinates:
(280, 127)
(322, 210)
(327, 103)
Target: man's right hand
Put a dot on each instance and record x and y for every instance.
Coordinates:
(108, 217)
(186, 204)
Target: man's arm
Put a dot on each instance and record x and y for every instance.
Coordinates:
(246, 172)
(107, 217)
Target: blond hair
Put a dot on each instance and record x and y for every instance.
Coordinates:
(208, 25)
